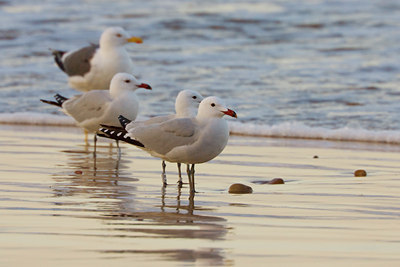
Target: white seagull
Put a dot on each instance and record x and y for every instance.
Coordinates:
(185, 140)
(97, 107)
(186, 106)
(92, 67)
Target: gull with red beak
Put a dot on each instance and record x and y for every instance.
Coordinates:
(183, 140)
(103, 107)
(92, 67)
(186, 106)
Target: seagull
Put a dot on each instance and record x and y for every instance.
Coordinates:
(186, 105)
(103, 107)
(184, 140)
(92, 67)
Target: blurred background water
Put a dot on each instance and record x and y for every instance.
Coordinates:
(329, 64)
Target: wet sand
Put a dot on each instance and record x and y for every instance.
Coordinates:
(57, 209)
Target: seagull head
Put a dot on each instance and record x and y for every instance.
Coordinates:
(116, 36)
(214, 107)
(124, 82)
(187, 103)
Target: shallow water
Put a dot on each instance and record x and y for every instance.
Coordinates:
(325, 64)
(60, 208)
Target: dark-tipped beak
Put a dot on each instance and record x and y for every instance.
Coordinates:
(230, 112)
(145, 86)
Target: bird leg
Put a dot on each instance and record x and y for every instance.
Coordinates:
(95, 145)
(163, 175)
(191, 181)
(188, 171)
(180, 175)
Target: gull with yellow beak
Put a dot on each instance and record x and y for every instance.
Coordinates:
(92, 67)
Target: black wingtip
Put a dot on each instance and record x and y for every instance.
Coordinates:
(51, 102)
(115, 128)
(58, 54)
(124, 121)
(119, 135)
(60, 99)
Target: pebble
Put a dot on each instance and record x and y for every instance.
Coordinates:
(240, 189)
(277, 181)
(316, 157)
(360, 173)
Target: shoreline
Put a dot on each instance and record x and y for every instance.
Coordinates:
(58, 207)
(299, 132)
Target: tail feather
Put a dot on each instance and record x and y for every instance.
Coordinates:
(124, 121)
(51, 102)
(115, 128)
(58, 54)
(60, 99)
(119, 135)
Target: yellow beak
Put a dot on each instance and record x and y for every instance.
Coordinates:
(135, 40)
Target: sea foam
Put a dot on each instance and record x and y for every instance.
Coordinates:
(300, 130)
(31, 118)
(283, 130)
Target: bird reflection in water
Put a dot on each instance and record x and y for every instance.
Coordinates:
(134, 213)
(102, 176)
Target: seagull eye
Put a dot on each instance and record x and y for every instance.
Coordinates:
(127, 81)
(194, 97)
(213, 105)
(119, 35)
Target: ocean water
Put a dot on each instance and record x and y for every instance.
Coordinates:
(302, 69)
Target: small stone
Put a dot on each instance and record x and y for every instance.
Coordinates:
(316, 157)
(360, 173)
(240, 189)
(78, 172)
(277, 181)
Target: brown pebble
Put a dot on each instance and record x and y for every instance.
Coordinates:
(277, 181)
(78, 172)
(240, 189)
(360, 173)
(316, 157)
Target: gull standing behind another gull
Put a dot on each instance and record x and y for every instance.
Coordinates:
(186, 106)
(185, 140)
(92, 67)
(103, 107)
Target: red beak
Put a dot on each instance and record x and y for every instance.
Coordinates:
(145, 86)
(230, 112)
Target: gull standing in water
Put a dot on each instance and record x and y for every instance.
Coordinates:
(92, 67)
(97, 107)
(186, 105)
(185, 140)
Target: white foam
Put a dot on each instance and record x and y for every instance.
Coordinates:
(283, 130)
(299, 130)
(31, 118)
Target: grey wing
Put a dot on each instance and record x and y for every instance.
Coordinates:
(90, 105)
(78, 62)
(165, 136)
(154, 120)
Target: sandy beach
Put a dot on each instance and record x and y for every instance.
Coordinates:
(56, 209)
